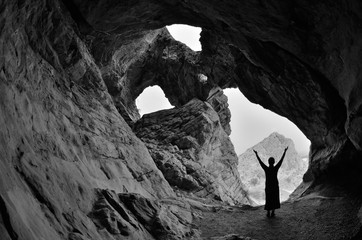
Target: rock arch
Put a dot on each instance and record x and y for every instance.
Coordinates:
(279, 54)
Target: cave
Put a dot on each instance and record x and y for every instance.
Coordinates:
(77, 161)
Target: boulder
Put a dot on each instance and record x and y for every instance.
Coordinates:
(193, 151)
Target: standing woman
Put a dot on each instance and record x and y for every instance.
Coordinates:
(272, 200)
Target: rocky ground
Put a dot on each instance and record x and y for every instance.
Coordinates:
(312, 217)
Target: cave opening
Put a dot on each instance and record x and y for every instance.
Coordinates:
(186, 34)
(152, 99)
(253, 127)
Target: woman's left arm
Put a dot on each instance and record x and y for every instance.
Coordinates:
(281, 159)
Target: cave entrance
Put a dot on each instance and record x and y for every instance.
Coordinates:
(186, 34)
(252, 126)
(152, 99)
(255, 127)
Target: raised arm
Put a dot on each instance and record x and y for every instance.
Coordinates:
(281, 159)
(259, 160)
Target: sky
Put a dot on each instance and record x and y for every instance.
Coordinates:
(186, 34)
(250, 123)
(152, 99)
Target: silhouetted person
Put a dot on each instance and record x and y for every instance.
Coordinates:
(272, 201)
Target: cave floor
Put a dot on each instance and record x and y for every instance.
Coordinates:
(311, 217)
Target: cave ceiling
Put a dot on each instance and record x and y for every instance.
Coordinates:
(300, 59)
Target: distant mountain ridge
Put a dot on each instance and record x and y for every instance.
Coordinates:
(290, 174)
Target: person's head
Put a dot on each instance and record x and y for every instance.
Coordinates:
(271, 161)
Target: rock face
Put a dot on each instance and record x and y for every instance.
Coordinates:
(192, 149)
(70, 163)
(129, 215)
(62, 141)
(290, 174)
(300, 60)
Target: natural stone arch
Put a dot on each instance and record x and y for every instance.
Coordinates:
(160, 60)
(273, 44)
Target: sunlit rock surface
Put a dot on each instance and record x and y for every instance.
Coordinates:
(290, 174)
(193, 150)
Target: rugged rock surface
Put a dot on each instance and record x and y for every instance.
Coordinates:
(300, 60)
(192, 149)
(160, 60)
(61, 137)
(129, 215)
(290, 174)
(70, 71)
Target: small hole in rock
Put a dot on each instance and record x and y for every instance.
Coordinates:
(152, 99)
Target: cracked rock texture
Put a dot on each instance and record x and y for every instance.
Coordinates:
(72, 167)
(61, 137)
(130, 215)
(193, 150)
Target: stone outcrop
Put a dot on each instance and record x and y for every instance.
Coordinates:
(192, 149)
(160, 60)
(129, 215)
(290, 174)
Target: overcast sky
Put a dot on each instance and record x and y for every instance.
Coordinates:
(186, 34)
(250, 123)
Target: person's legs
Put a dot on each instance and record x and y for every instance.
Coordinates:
(268, 214)
(272, 213)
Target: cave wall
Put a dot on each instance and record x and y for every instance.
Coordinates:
(299, 59)
(71, 165)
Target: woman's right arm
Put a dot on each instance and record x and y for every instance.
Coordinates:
(259, 160)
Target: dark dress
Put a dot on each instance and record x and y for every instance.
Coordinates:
(272, 200)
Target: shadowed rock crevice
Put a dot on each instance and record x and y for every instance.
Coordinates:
(38, 194)
(6, 221)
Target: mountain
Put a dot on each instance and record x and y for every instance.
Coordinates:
(289, 176)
